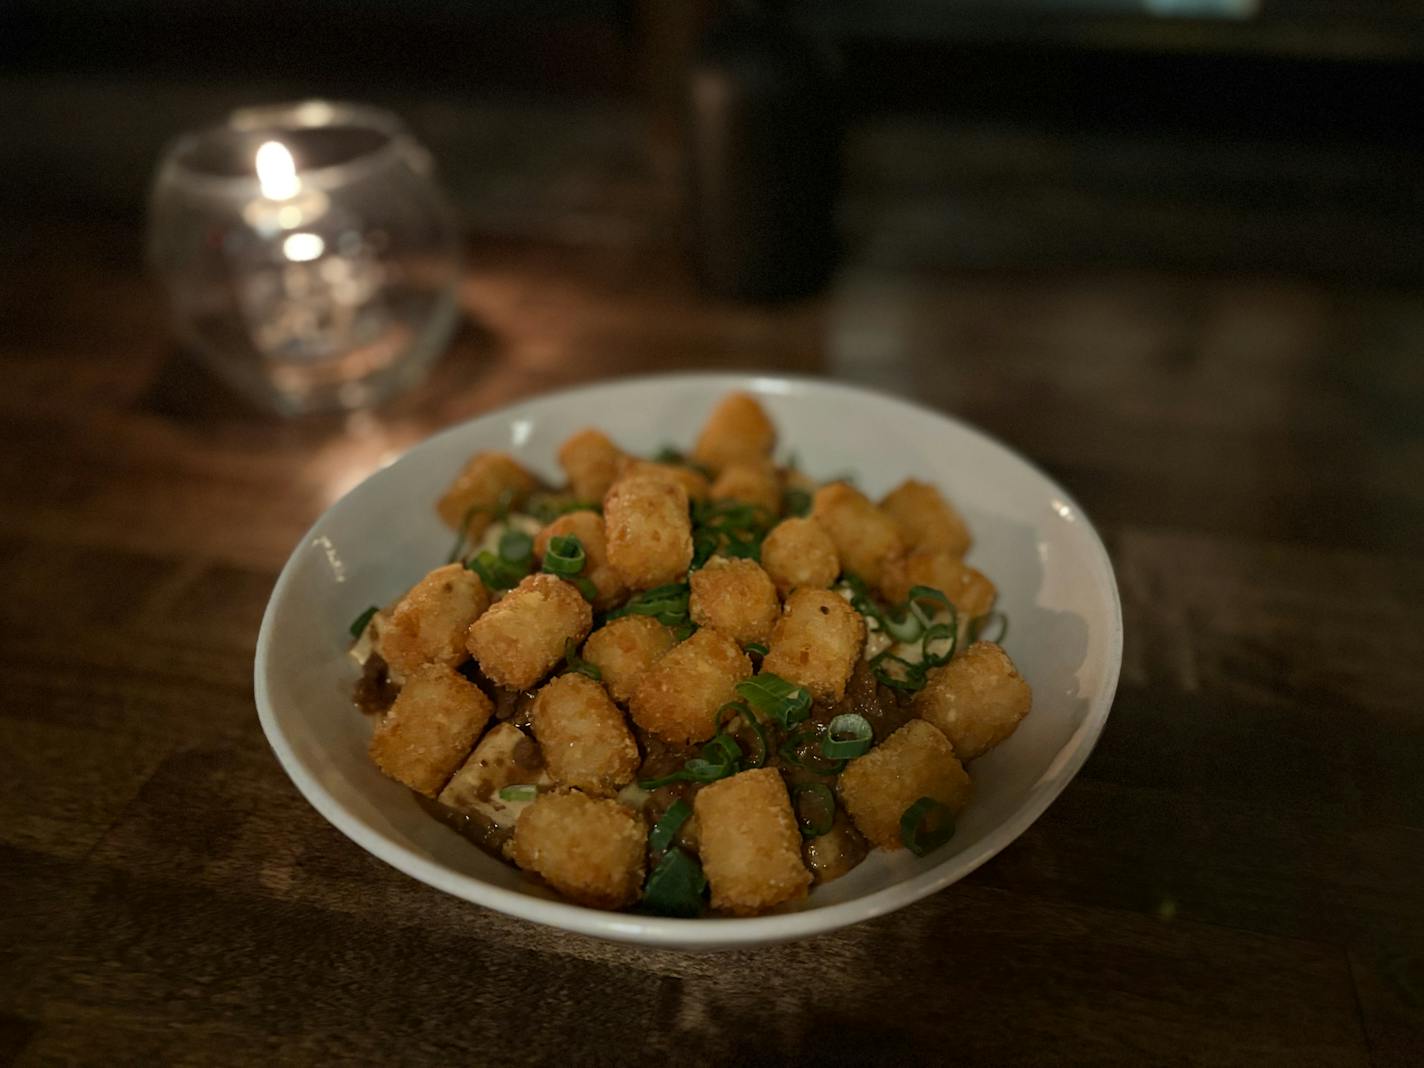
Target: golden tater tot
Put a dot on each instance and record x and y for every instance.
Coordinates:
(428, 625)
(487, 480)
(591, 462)
(816, 643)
(737, 431)
(694, 482)
(969, 589)
(976, 700)
(799, 552)
(589, 849)
(916, 761)
(735, 597)
(649, 531)
(585, 741)
(925, 519)
(624, 650)
(750, 483)
(865, 537)
(682, 691)
(589, 529)
(430, 728)
(749, 842)
(522, 636)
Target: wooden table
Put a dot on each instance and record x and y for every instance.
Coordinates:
(1237, 876)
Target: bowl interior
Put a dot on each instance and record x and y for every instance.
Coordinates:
(1054, 580)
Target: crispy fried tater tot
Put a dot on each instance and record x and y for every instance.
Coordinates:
(488, 480)
(522, 636)
(976, 700)
(735, 597)
(799, 552)
(585, 740)
(589, 849)
(649, 531)
(588, 527)
(737, 431)
(624, 650)
(749, 843)
(925, 519)
(430, 728)
(816, 643)
(591, 462)
(865, 537)
(428, 625)
(916, 761)
(751, 483)
(694, 482)
(682, 691)
(969, 589)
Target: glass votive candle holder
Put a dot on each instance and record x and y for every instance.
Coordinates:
(309, 258)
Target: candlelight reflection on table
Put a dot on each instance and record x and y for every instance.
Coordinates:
(308, 256)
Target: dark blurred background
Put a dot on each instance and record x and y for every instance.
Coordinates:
(1219, 134)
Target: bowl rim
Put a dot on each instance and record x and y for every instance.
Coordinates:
(707, 932)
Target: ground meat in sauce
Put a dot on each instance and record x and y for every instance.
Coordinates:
(879, 704)
(836, 852)
(374, 692)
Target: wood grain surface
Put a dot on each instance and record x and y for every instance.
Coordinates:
(1236, 877)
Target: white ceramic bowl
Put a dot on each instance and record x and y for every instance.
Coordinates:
(1054, 578)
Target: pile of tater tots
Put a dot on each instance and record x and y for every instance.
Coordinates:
(690, 682)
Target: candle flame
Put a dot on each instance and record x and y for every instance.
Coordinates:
(277, 171)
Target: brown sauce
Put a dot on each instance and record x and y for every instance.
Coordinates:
(374, 692)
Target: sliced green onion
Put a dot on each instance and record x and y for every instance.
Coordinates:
(547, 507)
(585, 587)
(796, 502)
(777, 699)
(461, 535)
(757, 749)
(994, 622)
(815, 807)
(516, 547)
(675, 887)
(666, 604)
(704, 547)
(904, 627)
(940, 632)
(361, 622)
(700, 769)
(897, 672)
(521, 792)
(925, 826)
(928, 593)
(578, 663)
(756, 647)
(565, 556)
(671, 821)
(848, 736)
(668, 454)
(496, 572)
(666, 780)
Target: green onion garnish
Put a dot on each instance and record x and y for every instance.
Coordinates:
(757, 749)
(934, 655)
(848, 736)
(361, 622)
(668, 454)
(731, 528)
(547, 507)
(574, 662)
(564, 556)
(777, 699)
(796, 502)
(996, 623)
(925, 826)
(495, 571)
(755, 647)
(719, 758)
(675, 887)
(671, 821)
(897, 672)
(904, 626)
(815, 807)
(516, 547)
(521, 792)
(666, 604)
